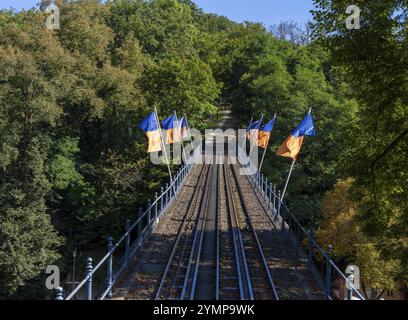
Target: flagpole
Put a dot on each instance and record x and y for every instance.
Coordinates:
(290, 172)
(179, 133)
(243, 144)
(266, 148)
(164, 148)
(253, 142)
(263, 157)
(188, 129)
(287, 180)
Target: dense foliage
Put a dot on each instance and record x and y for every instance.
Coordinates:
(73, 164)
(374, 62)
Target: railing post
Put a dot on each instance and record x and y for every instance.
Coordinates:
(310, 249)
(110, 266)
(282, 214)
(270, 195)
(181, 171)
(161, 200)
(127, 243)
(350, 283)
(59, 294)
(89, 269)
(267, 191)
(266, 188)
(328, 271)
(274, 200)
(149, 213)
(140, 227)
(279, 203)
(156, 219)
(167, 194)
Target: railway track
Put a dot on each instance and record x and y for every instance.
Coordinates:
(179, 278)
(220, 243)
(229, 281)
(230, 266)
(223, 249)
(253, 274)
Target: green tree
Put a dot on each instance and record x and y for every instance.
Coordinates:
(28, 107)
(374, 61)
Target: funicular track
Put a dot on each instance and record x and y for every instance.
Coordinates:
(179, 279)
(241, 271)
(253, 276)
(229, 280)
(223, 249)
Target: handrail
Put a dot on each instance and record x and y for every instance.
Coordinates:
(164, 200)
(269, 192)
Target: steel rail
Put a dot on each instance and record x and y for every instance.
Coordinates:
(265, 264)
(239, 248)
(217, 243)
(180, 234)
(195, 255)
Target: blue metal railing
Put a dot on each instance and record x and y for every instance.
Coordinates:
(146, 222)
(292, 228)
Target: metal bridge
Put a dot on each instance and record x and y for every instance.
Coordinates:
(214, 234)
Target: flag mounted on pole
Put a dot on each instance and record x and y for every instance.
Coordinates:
(172, 129)
(183, 128)
(264, 136)
(252, 131)
(264, 133)
(290, 148)
(151, 129)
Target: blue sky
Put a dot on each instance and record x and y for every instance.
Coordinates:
(266, 11)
